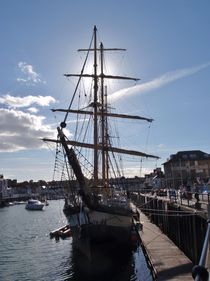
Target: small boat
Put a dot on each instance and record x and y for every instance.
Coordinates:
(62, 232)
(20, 202)
(46, 203)
(34, 205)
(9, 204)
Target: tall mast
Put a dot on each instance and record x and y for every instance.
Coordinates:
(102, 116)
(99, 110)
(106, 138)
(95, 110)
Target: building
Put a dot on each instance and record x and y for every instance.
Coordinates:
(187, 168)
(3, 187)
(155, 179)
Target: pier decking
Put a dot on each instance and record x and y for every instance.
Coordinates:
(167, 259)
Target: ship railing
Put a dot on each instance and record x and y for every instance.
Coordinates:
(189, 198)
(200, 272)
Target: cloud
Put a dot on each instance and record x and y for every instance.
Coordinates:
(157, 82)
(136, 171)
(30, 76)
(21, 131)
(33, 109)
(161, 146)
(26, 101)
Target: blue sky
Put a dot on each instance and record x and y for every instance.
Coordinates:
(167, 44)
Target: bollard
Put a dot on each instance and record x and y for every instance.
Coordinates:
(200, 272)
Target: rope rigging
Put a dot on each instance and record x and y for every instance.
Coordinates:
(105, 144)
(63, 124)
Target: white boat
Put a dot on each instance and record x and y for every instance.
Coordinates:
(33, 204)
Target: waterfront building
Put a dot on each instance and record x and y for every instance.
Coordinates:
(133, 183)
(3, 187)
(187, 168)
(155, 179)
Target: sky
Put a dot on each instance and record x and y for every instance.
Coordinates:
(167, 45)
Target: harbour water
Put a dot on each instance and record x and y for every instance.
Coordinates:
(28, 253)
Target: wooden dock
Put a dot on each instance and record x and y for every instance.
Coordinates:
(168, 260)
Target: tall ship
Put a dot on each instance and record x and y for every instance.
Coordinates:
(97, 206)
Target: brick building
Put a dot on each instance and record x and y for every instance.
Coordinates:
(187, 167)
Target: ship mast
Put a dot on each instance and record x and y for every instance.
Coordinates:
(106, 140)
(99, 111)
(95, 110)
(103, 136)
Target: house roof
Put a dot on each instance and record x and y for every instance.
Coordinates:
(188, 155)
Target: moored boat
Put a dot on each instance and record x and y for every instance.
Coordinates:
(62, 232)
(34, 204)
(99, 212)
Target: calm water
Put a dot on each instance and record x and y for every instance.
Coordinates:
(27, 252)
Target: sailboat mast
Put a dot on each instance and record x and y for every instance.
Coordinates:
(106, 138)
(95, 110)
(99, 111)
(102, 116)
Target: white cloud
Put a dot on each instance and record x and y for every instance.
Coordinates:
(26, 101)
(33, 109)
(21, 131)
(161, 146)
(30, 76)
(157, 82)
(136, 171)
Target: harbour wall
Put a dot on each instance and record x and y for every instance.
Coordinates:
(185, 226)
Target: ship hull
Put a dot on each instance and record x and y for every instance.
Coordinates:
(94, 230)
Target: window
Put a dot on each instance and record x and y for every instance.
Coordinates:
(193, 156)
(192, 163)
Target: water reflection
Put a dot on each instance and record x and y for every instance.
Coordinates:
(121, 266)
